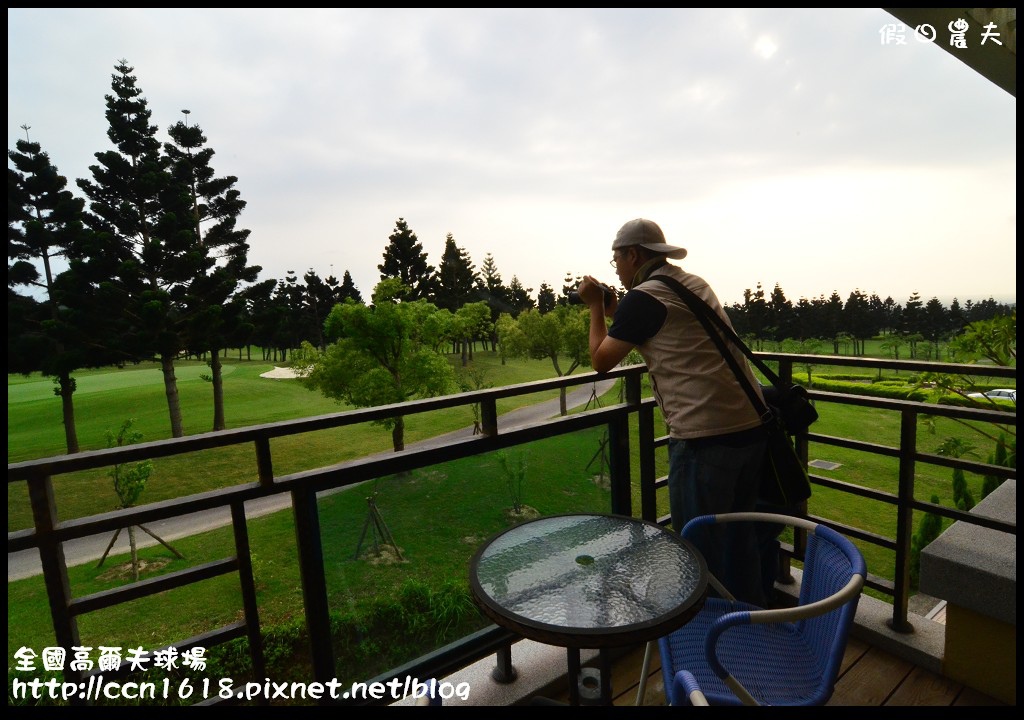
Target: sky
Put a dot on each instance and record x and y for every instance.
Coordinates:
(779, 146)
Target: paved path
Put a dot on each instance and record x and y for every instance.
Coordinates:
(25, 563)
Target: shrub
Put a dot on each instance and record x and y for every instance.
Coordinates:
(879, 390)
(368, 640)
(994, 404)
(930, 528)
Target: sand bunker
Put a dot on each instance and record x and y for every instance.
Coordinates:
(280, 373)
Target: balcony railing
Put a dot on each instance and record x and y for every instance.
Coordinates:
(49, 532)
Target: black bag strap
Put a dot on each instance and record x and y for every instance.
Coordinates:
(709, 319)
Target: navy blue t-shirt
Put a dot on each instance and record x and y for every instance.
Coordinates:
(638, 318)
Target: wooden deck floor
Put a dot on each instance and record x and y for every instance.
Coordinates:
(869, 677)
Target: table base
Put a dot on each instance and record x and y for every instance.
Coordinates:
(587, 688)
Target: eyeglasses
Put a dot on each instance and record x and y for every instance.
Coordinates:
(614, 262)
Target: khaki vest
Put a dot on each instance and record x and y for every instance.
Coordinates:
(697, 391)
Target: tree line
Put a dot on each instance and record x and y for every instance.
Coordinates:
(916, 325)
(156, 268)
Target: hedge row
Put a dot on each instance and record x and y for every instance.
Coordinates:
(871, 389)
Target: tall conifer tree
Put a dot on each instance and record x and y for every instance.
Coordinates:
(494, 292)
(519, 296)
(405, 259)
(348, 289)
(53, 335)
(320, 299)
(545, 299)
(145, 218)
(456, 277)
(214, 312)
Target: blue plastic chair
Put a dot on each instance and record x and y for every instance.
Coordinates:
(739, 654)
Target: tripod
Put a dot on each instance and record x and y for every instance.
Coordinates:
(134, 548)
(381, 534)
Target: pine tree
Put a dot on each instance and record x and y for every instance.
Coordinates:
(145, 218)
(216, 205)
(955, 318)
(491, 278)
(44, 223)
(319, 300)
(913, 322)
(857, 320)
(780, 312)
(405, 259)
(294, 321)
(756, 312)
(264, 314)
(519, 297)
(456, 278)
(497, 296)
(348, 289)
(545, 299)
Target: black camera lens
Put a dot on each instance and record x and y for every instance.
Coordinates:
(574, 297)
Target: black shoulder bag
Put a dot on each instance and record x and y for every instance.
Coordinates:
(786, 409)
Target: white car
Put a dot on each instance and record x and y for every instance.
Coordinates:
(1002, 394)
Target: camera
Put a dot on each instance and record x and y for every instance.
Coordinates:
(609, 293)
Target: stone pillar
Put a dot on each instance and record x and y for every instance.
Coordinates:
(974, 569)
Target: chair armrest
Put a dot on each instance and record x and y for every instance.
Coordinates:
(685, 681)
(791, 614)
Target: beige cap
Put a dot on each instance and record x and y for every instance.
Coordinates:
(646, 234)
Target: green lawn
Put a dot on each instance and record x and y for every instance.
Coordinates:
(35, 429)
(105, 398)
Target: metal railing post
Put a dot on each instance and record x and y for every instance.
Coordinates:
(55, 573)
(648, 472)
(489, 417)
(904, 523)
(619, 461)
(248, 585)
(314, 585)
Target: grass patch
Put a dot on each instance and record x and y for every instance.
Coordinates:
(35, 430)
(35, 426)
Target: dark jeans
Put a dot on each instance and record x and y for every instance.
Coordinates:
(711, 477)
(769, 548)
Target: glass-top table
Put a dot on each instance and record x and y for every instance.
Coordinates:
(589, 580)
